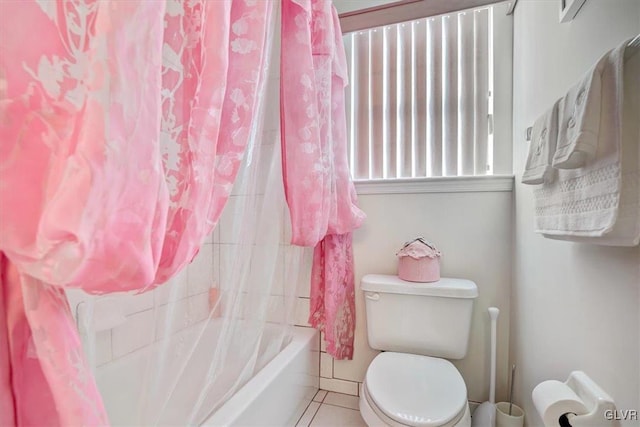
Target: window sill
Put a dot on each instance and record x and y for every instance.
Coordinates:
(445, 184)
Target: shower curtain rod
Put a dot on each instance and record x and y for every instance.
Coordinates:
(404, 10)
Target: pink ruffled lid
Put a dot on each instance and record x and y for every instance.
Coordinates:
(419, 249)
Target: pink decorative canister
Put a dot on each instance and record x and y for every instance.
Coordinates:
(419, 261)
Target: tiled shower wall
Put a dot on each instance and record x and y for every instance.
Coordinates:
(142, 325)
(189, 290)
(329, 381)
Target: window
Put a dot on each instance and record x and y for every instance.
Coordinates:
(421, 97)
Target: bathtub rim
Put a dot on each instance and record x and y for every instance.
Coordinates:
(302, 337)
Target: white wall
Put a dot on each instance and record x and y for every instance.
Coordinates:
(574, 306)
(473, 230)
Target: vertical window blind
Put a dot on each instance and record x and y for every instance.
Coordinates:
(419, 100)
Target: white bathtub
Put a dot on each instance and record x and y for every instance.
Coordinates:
(280, 392)
(276, 394)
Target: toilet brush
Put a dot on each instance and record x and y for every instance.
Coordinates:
(513, 374)
(485, 414)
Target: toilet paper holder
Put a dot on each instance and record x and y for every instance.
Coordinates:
(592, 408)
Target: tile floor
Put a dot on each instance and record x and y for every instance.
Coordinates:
(329, 409)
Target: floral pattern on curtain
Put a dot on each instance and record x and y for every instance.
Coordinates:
(318, 187)
(123, 125)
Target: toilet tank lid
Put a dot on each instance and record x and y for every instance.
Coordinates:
(445, 287)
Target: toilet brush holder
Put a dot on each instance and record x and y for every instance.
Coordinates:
(503, 419)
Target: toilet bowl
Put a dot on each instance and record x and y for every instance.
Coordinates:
(411, 390)
(417, 326)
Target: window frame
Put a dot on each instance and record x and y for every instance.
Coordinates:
(502, 65)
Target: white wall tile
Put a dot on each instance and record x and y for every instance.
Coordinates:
(227, 220)
(198, 307)
(265, 161)
(103, 347)
(135, 303)
(326, 365)
(278, 286)
(275, 310)
(175, 289)
(171, 318)
(229, 259)
(315, 344)
(75, 297)
(304, 289)
(243, 184)
(286, 225)
(216, 265)
(339, 386)
(302, 312)
(234, 213)
(99, 312)
(298, 269)
(200, 273)
(353, 370)
(215, 235)
(135, 334)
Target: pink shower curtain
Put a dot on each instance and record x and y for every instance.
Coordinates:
(123, 126)
(318, 187)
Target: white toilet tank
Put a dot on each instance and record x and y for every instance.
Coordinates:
(432, 319)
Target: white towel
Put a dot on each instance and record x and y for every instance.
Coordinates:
(538, 169)
(584, 202)
(579, 121)
(626, 231)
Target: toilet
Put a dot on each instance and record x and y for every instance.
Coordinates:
(417, 326)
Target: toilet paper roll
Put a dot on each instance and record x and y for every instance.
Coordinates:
(553, 399)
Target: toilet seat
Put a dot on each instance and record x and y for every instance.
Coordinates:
(375, 418)
(411, 390)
